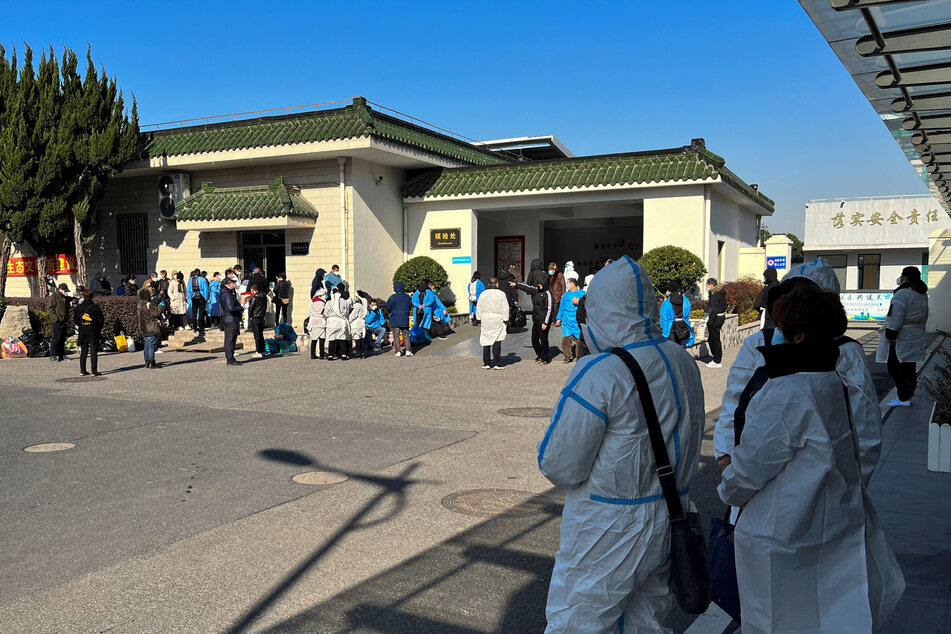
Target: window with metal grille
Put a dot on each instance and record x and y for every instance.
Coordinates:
(133, 241)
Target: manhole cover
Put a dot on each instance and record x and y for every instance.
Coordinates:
(49, 446)
(319, 477)
(81, 379)
(494, 502)
(526, 412)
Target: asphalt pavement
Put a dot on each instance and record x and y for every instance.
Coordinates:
(176, 511)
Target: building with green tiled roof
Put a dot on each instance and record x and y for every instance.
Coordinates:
(366, 187)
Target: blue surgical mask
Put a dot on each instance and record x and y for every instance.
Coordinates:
(551, 272)
(777, 337)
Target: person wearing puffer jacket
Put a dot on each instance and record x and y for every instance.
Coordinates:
(398, 307)
(317, 326)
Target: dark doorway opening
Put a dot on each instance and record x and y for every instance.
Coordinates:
(265, 249)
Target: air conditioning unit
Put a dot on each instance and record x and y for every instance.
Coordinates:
(172, 189)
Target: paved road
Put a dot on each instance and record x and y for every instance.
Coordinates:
(176, 510)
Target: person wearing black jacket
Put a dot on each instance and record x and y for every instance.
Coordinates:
(542, 313)
(770, 279)
(398, 308)
(89, 321)
(507, 285)
(317, 283)
(131, 288)
(716, 315)
(282, 299)
(231, 313)
(58, 308)
(257, 309)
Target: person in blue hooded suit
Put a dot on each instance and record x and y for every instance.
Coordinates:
(424, 303)
(198, 296)
(676, 308)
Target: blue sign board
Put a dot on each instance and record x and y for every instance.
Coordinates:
(778, 262)
(462, 259)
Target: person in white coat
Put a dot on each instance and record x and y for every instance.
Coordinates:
(338, 323)
(810, 556)
(748, 375)
(317, 325)
(903, 335)
(612, 568)
(358, 325)
(492, 312)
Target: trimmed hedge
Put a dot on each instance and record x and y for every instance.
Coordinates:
(420, 268)
(120, 314)
(669, 263)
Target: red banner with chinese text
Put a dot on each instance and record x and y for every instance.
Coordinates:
(21, 267)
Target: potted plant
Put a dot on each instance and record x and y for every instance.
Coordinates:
(938, 387)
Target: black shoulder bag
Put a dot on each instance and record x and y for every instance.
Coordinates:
(689, 574)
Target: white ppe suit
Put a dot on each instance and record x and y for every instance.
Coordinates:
(810, 556)
(907, 315)
(851, 366)
(612, 567)
(493, 311)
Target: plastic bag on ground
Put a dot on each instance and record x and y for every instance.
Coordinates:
(12, 348)
(270, 346)
(285, 331)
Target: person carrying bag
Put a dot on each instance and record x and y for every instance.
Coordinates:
(689, 575)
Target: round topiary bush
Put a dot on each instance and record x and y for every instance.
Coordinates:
(669, 263)
(420, 268)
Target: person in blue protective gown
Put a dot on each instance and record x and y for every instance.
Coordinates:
(612, 568)
(424, 303)
(476, 287)
(214, 292)
(675, 316)
(568, 320)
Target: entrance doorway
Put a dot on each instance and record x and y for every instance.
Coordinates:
(264, 249)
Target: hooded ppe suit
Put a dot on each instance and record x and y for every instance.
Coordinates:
(907, 315)
(612, 567)
(851, 367)
(810, 556)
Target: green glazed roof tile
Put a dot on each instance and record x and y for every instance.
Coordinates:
(277, 200)
(354, 121)
(687, 163)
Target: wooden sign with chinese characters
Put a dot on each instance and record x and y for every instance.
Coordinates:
(445, 239)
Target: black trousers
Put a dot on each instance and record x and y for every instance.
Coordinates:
(493, 352)
(358, 347)
(339, 348)
(540, 340)
(231, 338)
(713, 340)
(199, 313)
(280, 308)
(313, 348)
(257, 329)
(905, 375)
(58, 339)
(89, 349)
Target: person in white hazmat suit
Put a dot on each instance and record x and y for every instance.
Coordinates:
(747, 376)
(903, 335)
(810, 556)
(612, 568)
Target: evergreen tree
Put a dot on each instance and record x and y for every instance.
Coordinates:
(61, 137)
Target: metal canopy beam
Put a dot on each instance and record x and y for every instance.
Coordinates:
(930, 138)
(927, 122)
(936, 37)
(923, 103)
(915, 76)
(845, 5)
(923, 148)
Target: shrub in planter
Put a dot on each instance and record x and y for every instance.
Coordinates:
(742, 293)
(119, 313)
(748, 317)
(420, 268)
(938, 387)
(669, 263)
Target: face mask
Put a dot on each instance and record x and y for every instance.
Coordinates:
(551, 272)
(373, 308)
(898, 281)
(777, 337)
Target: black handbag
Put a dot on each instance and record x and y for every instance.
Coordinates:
(689, 575)
(517, 317)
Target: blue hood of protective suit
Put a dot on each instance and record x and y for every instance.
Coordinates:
(818, 271)
(622, 307)
(399, 287)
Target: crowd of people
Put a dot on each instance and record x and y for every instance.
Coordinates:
(798, 437)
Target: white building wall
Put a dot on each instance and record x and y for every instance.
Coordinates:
(735, 226)
(421, 218)
(377, 226)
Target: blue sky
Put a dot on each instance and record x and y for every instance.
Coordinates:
(755, 79)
